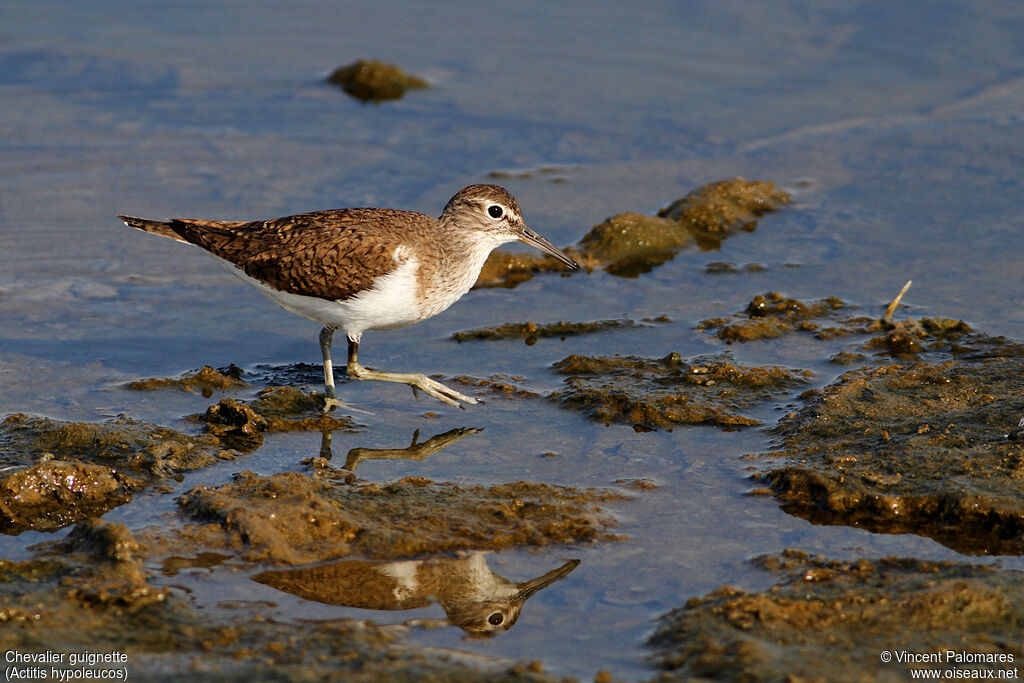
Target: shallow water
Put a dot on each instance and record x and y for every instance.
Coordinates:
(898, 127)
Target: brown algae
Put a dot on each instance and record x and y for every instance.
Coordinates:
(662, 392)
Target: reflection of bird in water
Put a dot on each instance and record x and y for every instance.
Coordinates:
(475, 599)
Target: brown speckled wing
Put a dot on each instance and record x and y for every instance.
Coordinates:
(328, 254)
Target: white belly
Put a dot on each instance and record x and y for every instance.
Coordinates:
(391, 302)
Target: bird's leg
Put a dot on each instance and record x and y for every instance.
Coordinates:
(416, 381)
(330, 396)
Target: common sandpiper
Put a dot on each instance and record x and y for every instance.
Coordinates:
(365, 268)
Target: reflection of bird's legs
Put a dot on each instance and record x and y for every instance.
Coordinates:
(414, 451)
(416, 381)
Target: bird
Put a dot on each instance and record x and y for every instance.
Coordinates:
(360, 269)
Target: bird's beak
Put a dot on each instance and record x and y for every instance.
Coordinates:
(528, 588)
(535, 240)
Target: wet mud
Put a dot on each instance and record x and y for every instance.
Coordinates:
(51, 495)
(829, 620)
(295, 518)
(919, 446)
(530, 332)
(663, 392)
(145, 451)
(630, 243)
(370, 80)
(90, 592)
(205, 381)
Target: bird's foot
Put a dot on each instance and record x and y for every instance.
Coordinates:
(441, 392)
(332, 403)
(429, 386)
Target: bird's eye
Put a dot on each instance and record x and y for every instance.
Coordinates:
(496, 618)
(494, 211)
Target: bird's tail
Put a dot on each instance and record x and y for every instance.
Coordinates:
(162, 228)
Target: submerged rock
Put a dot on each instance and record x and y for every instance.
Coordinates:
(914, 447)
(293, 518)
(837, 620)
(667, 391)
(628, 244)
(370, 80)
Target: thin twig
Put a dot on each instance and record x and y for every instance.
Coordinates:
(887, 316)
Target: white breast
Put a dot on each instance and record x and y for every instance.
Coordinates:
(391, 302)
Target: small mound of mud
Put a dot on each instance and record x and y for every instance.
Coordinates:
(205, 381)
(629, 244)
(773, 315)
(914, 448)
(293, 518)
(499, 385)
(667, 391)
(908, 338)
(530, 332)
(275, 409)
(829, 620)
(374, 81)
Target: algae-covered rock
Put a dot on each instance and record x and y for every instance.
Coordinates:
(831, 620)
(52, 494)
(141, 449)
(370, 80)
(206, 380)
(661, 392)
(914, 448)
(726, 205)
(630, 243)
(292, 518)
